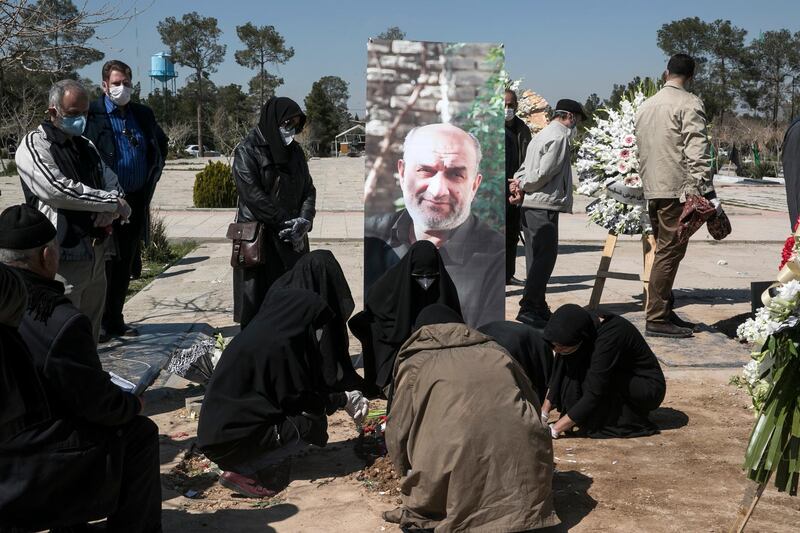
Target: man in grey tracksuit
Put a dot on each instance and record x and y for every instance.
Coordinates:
(545, 178)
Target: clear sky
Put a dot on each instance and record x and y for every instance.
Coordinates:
(563, 49)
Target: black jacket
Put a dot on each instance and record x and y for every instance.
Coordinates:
(60, 340)
(99, 131)
(267, 193)
(61, 457)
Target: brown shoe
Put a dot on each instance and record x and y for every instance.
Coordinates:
(666, 329)
(681, 323)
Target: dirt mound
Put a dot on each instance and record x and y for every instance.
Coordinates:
(193, 475)
(380, 477)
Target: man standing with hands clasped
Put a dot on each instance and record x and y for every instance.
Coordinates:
(63, 176)
(518, 136)
(545, 178)
(674, 163)
(134, 146)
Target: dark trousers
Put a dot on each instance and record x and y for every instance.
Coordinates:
(664, 216)
(513, 215)
(540, 227)
(139, 507)
(118, 269)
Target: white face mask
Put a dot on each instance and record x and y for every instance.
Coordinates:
(119, 94)
(509, 113)
(287, 134)
(425, 281)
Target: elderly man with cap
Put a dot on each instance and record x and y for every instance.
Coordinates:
(546, 179)
(63, 176)
(117, 472)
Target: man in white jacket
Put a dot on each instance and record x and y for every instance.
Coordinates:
(545, 179)
(63, 176)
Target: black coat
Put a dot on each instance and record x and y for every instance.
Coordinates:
(791, 170)
(272, 370)
(271, 194)
(60, 454)
(99, 131)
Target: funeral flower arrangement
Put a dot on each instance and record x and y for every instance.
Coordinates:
(772, 378)
(608, 169)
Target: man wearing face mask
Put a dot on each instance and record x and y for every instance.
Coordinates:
(546, 179)
(518, 136)
(134, 146)
(64, 177)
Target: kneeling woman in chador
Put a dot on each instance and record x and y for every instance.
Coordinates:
(465, 435)
(606, 379)
(271, 392)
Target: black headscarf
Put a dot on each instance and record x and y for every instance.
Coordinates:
(570, 325)
(527, 347)
(271, 370)
(318, 271)
(392, 305)
(437, 314)
(275, 112)
(21, 393)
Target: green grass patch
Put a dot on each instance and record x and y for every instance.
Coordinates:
(153, 267)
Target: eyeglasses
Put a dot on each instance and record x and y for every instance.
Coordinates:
(131, 137)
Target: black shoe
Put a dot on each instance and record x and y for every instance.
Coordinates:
(535, 319)
(678, 321)
(276, 477)
(105, 336)
(515, 281)
(666, 329)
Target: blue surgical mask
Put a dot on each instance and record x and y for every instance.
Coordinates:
(73, 125)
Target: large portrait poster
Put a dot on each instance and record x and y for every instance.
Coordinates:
(436, 164)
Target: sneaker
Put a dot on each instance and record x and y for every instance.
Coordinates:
(666, 329)
(245, 486)
(678, 321)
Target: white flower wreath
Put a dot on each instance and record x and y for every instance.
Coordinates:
(608, 169)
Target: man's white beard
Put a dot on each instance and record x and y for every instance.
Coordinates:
(426, 220)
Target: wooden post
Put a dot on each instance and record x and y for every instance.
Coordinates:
(603, 272)
(751, 497)
(649, 253)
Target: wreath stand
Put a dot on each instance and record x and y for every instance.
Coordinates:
(603, 272)
(751, 497)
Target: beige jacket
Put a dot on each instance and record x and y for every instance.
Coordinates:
(546, 173)
(674, 156)
(465, 434)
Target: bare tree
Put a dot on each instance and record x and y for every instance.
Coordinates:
(29, 31)
(177, 133)
(228, 131)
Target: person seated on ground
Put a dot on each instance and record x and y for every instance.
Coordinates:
(605, 379)
(527, 347)
(319, 272)
(464, 433)
(270, 393)
(80, 451)
(392, 305)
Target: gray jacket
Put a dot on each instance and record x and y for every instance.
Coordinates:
(546, 174)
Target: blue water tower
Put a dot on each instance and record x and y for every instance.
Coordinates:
(162, 70)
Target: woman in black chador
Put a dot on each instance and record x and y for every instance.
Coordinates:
(320, 272)
(526, 345)
(392, 305)
(275, 188)
(605, 379)
(270, 394)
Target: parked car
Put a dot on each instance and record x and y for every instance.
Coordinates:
(194, 150)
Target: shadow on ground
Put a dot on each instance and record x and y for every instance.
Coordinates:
(667, 418)
(571, 498)
(228, 519)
